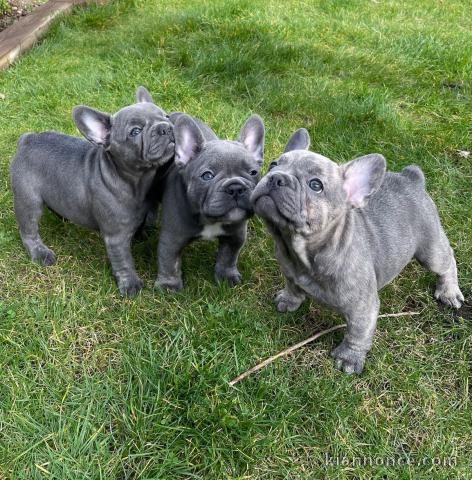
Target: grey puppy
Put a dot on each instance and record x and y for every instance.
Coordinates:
(206, 196)
(342, 232)
(100, 183)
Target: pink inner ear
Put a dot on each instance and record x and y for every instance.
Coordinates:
(356, 185)
(98, 131)
(250, 141)
(185, 148)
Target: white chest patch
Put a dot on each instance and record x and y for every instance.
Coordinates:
(209, 232)
(299, 247)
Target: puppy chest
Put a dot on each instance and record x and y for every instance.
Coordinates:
(210, 232)
(299, 247)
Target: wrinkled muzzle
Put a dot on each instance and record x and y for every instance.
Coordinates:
(277, 198)
(159, 143)
(229, 199)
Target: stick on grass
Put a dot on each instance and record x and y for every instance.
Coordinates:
(288, 350)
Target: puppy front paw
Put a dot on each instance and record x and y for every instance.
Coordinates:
(43, 256)
(130, 287)
(449, 294)
(286, 302)
(231, 275)
(170, 284)
(348, 360)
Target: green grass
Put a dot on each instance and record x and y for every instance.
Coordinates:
(96, 387)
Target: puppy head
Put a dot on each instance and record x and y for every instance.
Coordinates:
(219, 175)
(139, 136)
(305, 192)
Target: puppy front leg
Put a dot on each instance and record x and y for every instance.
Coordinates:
(122, 263)
(226, 267)
(350, 354)
(290, 298)
(169, 263)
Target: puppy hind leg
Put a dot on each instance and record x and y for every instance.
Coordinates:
(438, 257)
(28, 211)
(447, 285)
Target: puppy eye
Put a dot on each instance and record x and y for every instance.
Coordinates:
(135, 131)
(272, 165)
(253, 173)
(206, 176)
(316, 185)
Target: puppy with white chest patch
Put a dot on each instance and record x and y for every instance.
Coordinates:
(342, 232)
(206, 196)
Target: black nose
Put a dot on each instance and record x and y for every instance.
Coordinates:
(275, 181)
(235, 189)
(164, 129)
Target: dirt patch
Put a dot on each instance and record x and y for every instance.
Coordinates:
(465, 311)
(17, 9)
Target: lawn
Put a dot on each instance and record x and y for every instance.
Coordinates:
(97, 387)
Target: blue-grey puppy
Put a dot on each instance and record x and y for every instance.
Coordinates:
(207, 196)
(100, 183)
(342, 232)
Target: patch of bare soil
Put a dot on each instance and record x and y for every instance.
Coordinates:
(16, 10)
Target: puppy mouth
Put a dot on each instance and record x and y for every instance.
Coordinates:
(277, 199)
(266, 207)
(224, 201)
(160, 154)
(235, 214)
(228, 211)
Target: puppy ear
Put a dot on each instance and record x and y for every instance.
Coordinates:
(173, 116)
(363, 177)
(189, 140)
(143, 96)
(300, 140)
(252, 137)
(95, 126)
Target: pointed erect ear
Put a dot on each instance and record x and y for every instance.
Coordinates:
(252, 137)
(363, 177)
(189, 140)
(95, 126)
(143, 96)
(300, 140)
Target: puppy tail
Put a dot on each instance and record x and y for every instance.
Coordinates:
(415, 174)
(24, 139)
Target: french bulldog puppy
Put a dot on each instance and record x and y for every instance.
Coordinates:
(100, 183)
(206, 195)
(342, 232)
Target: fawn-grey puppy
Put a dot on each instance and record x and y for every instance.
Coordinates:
(342, 232)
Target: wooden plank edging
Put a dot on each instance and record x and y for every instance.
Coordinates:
(24, 33)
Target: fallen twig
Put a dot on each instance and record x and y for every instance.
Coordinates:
(401, 314)
(282, 353)
(288, 350)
